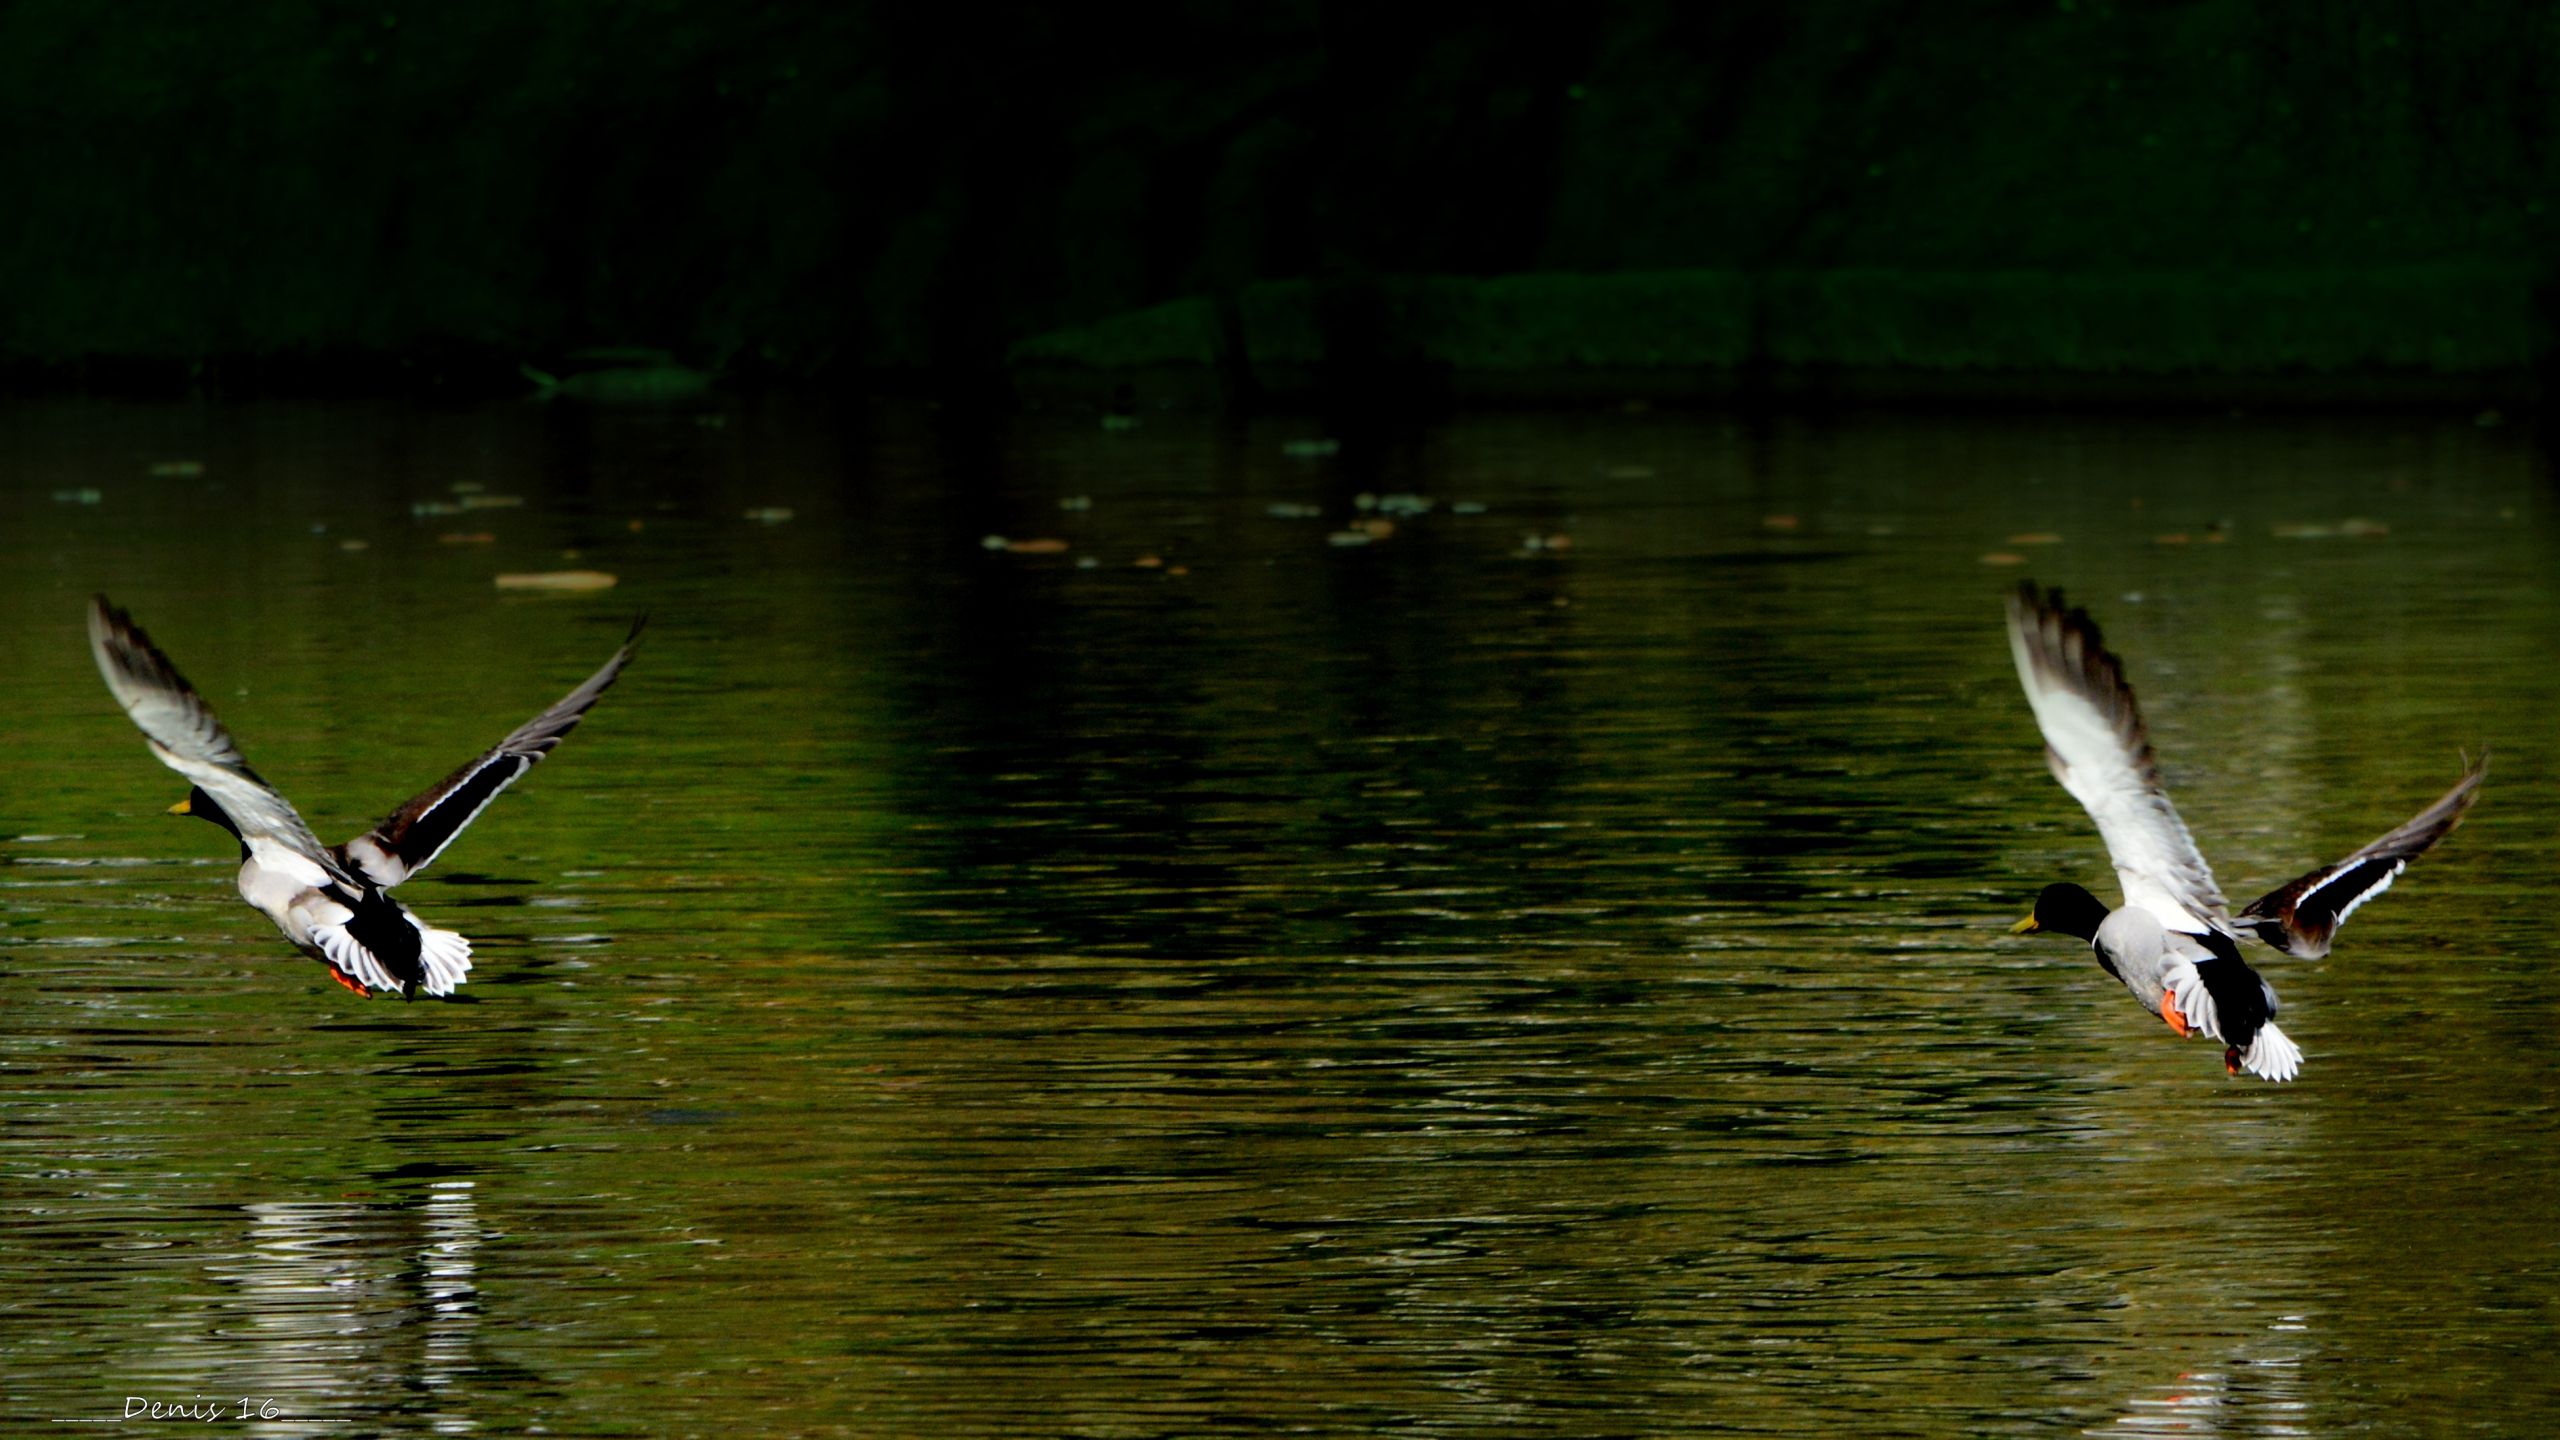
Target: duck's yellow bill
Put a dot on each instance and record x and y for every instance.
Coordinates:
(2025, 927)
(184, 807)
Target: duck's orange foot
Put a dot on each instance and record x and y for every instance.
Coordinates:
(2177, 1020)
(342, 978)
(2231, 1059)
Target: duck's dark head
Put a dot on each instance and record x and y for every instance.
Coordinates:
(2064, 909)
(205, 807)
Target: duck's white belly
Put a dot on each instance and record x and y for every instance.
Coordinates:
(285, 886)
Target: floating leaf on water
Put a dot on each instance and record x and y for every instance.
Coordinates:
(2036, 537)
(177, 469)
(2004, 557)
(1405, 504)
(762, 515)
(1466, 507)
(1075, 502)
(993, 542)
(1349, 537)
(1536, 544)
(466, 487)
(78, 497)
(435, 507)
(491, 502)
(1177, 569)
(466, 537)
(1045, 545)
(2178, 538)
(1087, 562)
(1114, 424)
(1148, 562)
(1364, 501)
(1292, 510)
(1312, 449)
(352, 546)
(562, 581)
(1781, 522)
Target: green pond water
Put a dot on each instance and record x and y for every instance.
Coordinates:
(1215, 979)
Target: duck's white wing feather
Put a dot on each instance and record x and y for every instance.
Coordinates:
(184, 734)
(2096, 744)
(417, 832)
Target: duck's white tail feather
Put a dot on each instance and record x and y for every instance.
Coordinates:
(445, 956)
(2272, 1054)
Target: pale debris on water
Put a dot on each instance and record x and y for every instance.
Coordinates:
(177, 469)
(1043, 545)
(2348, 529)
(78, 497)
(765, 514)
(1315, 449)
(1292, 510)
(559, 581)
(1075, 503)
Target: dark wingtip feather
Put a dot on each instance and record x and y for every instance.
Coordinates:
(2068, 639)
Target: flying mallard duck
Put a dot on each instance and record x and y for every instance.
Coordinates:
(2175, 942)
(329, 901)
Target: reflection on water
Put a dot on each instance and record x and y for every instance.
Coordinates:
(2249, 1397)
(342, 1304)
(1212, 975)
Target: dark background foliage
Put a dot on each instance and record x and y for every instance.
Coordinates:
(908, 186)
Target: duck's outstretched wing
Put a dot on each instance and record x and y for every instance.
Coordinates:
(2095, 741)
(183, 732)
(2302, 916)
(417, 832)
